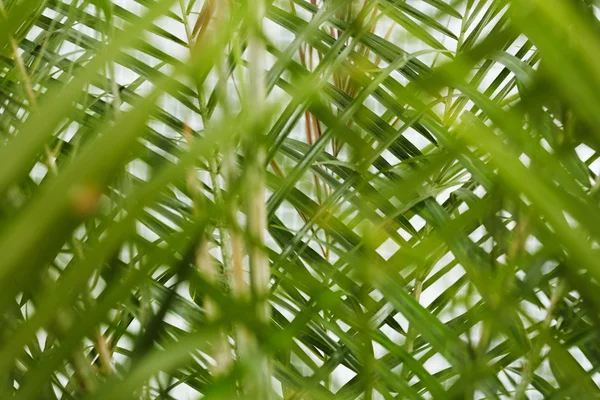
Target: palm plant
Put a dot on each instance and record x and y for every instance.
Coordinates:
(304, 199)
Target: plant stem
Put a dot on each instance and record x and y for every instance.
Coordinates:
(412, 333)
(535, 358)
(256, 205)
(221, 351)
(28, 86)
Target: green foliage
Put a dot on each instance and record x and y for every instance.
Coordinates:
(327, 199)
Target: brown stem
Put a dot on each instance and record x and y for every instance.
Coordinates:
(104, 353)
